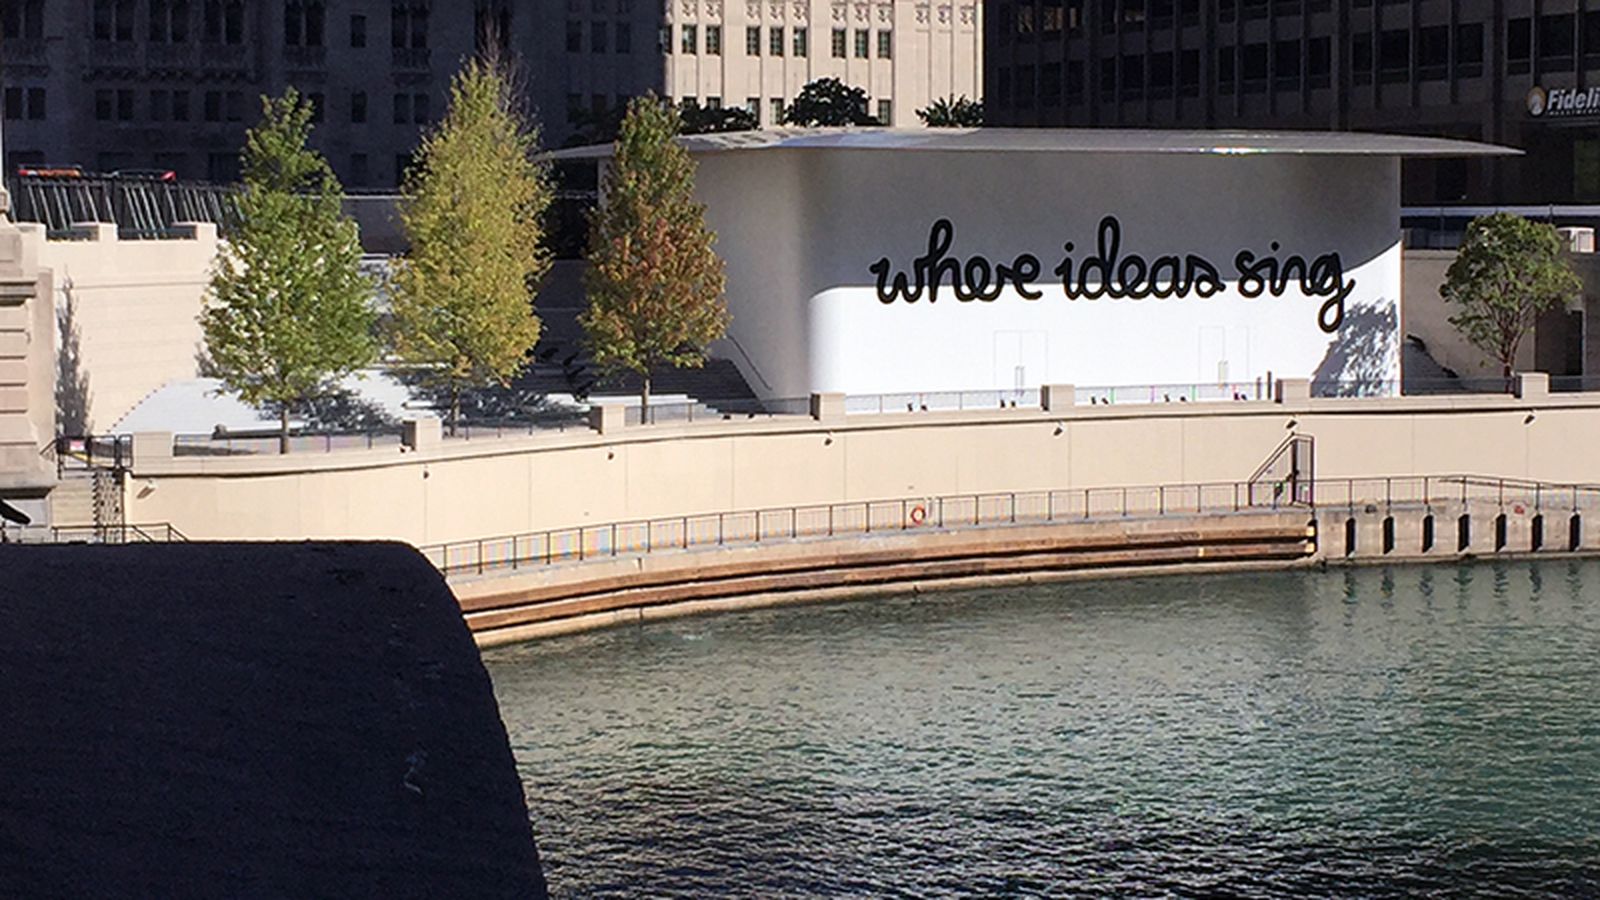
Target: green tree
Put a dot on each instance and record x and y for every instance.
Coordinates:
(1509, 269)
(463, 297)
(699, 119)
(829, 101)
(952, 112)
(288, 312)
(654, 282)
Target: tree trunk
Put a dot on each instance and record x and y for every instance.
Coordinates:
(283, 429)
(644, 398)
(455, 407)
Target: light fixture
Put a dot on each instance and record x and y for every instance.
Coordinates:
(1292, 424)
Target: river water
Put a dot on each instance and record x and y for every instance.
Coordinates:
(1363, 732)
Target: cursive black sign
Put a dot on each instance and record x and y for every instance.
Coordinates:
(1112, 274)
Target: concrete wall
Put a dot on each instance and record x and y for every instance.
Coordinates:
(1426, 315)
(460, 491)
(125, 317)
(27, 369)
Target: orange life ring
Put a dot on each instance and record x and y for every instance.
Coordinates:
(919, 514)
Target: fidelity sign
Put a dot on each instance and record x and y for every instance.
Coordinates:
(1561, 102)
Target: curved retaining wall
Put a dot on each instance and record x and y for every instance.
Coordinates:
(579, 596)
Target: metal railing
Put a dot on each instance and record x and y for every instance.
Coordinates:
(74, 453)
(556, 546)
(150, 533)
(790, 523)
(141, 208)
(930, 401)
(716, 410)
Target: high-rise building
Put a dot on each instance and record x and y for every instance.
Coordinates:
(172, 84)
(1515, 72)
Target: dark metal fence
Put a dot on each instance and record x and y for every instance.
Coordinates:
(140, 208)
(150, 533)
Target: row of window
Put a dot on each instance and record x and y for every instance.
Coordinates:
(217, 106)
(598, 106)
(222, 22)
(798, 42)
(22, 19)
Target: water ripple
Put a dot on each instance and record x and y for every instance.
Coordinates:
(1370, 732)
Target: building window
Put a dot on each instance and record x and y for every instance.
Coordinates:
(358, 38)
(1074, 79)
(169, 21)
(775, 41)
(1189, 73)
(1361, 59)
(885, 44)
(752, 41)
(315, 101)
(664, 39)
(113, 19)
(233, 106)
(180, 106)
(1286, 65)
(713, 103)
(1024, 87)
(1394, 55)
(1433, 53)
(574, 36)
(597, 37)
(574, 108)
(886, 112)
(159, 109)
(1319, 62)
(1590, 42)
(1469, 49)
(104, 103)
(1161, 75)
(222, 168)
(776, 105)
(213, 106)
(125, 104)
(752, 105)
(624, 37)
(1253, 67)
(358, 169)
(1025, 23)
(1556, 37)
(1132, 78)
(1519, 46)
(408, 27)
(691, 39)
(14, 103)
(714, 40)
(419, 109)
(402, 109)
(838, 43)
(22, 19)
(1050, 84)
(358, 108)
(1226, 60)
(224, 21)
(861, 43)
(1003, 87)
(802, 43)
(302, 24)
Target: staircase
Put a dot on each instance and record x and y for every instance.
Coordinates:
(72, 501)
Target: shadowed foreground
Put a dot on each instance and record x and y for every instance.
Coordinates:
(249, 720)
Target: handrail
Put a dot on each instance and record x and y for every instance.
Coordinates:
(999, 509)
(146, 533)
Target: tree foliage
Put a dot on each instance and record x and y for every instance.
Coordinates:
(952, 112)
(829, 101)
(602, 127)
(1509, 269)
(654, 280)
(288, 311)
(463, 298)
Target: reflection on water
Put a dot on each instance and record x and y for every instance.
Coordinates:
(1362, 731)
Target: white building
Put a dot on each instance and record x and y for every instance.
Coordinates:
(882, 260)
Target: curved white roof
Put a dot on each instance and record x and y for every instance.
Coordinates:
(1074, 140)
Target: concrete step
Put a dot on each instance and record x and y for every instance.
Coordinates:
(72, 500)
